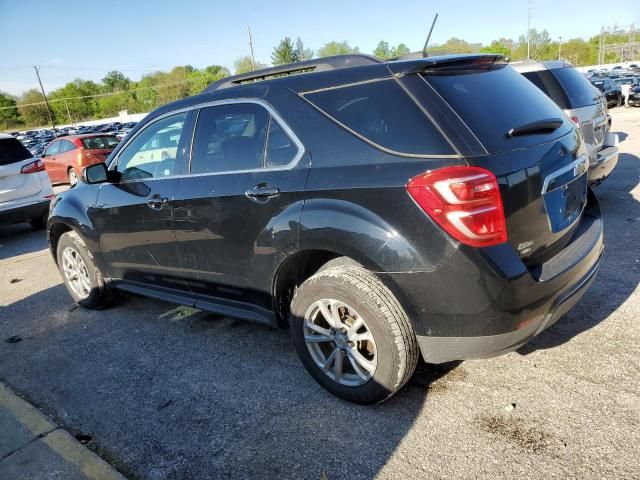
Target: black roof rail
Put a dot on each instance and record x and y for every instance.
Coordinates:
(316, 65)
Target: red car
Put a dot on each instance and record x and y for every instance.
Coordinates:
(65, 157)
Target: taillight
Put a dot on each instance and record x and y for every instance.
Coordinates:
(464, 201)
(575, 120)
(33, 167)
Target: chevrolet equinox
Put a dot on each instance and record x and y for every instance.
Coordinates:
(380, 210)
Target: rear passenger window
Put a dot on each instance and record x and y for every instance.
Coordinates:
(237, 137)
(382, 113)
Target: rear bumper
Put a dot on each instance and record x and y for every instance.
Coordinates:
(24, 213)
(485, 302)
(604, 164)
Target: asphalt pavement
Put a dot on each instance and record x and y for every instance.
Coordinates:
(160, 391)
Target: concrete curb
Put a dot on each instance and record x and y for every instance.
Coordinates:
(32, 446)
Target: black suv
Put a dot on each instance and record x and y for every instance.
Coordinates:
(435, 206)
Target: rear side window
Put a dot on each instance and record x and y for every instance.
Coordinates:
(12, 151)
(383, 114)
(545, 81)
(493, 101)
(240, 136)
(229, 138)
(580, 91)
(96, 143)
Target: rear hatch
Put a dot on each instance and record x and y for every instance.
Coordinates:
(525, 140)
(15, 185)
(572, 92)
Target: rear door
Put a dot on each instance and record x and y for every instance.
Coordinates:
(541, 171)
(134, 217)
(241, 201)
(14, 185)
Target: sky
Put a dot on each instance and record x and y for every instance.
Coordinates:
(85, 39)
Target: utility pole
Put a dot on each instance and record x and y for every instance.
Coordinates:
(559, 47)
(68, 112)
(53, 125)
(253, 60)
(529, 32)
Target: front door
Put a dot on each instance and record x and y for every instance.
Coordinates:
(134, 217)
(240, 204)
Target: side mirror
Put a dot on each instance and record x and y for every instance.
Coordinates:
(97, 173)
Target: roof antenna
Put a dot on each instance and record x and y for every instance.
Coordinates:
(424, 49)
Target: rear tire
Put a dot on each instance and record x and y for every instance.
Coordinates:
(363, 371)
(73, 177)
(619, 101)
(84, 281)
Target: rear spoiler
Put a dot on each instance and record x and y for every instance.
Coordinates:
(445, 62)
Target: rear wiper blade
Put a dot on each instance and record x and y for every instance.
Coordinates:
(540, 126)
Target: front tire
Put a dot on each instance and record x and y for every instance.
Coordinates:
(84, 281)
(352, 335)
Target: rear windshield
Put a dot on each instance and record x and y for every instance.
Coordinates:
(382, 113)
(493, 101)
(580, 91)
(545, 81)
(11, 151)
(94, 143)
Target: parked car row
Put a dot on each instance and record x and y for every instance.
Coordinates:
(437, 206)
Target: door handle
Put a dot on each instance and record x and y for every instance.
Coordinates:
(156, 202)
(262, 192)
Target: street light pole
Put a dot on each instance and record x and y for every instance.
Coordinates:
(253, 60)
(53, 125)
(529, 32)
(559, 48)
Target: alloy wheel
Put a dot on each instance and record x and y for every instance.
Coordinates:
(340, 342)
(76, 272)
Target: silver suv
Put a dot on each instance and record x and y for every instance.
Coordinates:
(25, 189)
(584, 104)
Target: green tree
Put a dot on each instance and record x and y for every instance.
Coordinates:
(541, 47)
(337, 48)
(284, 53)
(382, 51)
(79, 97)
(201, 79)
(115, 81)
(301, 52)
(9, 116)
(33, 115)
(454, 45)
(245, 65)
(402, 50)
(497, 47)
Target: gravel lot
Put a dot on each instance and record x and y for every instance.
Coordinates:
(168, 392)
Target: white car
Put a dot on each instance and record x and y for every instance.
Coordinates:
(25, 189)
